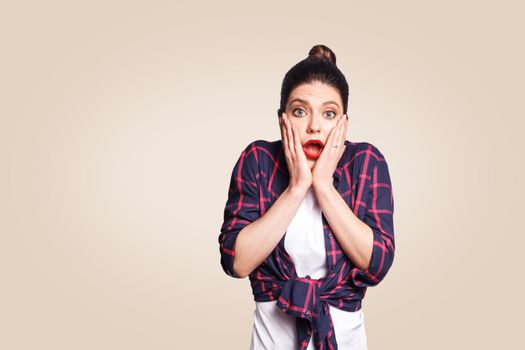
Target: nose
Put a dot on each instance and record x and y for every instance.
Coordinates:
(314, 125)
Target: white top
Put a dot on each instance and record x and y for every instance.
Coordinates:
(304, 242)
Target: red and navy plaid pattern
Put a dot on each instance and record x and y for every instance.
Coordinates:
(362, 178)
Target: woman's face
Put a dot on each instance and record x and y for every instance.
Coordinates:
(314, 109)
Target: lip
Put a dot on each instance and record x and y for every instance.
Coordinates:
(313, 141)
(308, 153)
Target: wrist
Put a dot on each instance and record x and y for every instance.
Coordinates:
(320, 186)
(298, 190)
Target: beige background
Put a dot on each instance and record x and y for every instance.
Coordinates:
(121, 122)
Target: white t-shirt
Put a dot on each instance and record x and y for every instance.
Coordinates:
(304, 242)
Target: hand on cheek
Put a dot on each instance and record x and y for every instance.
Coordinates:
(298, 167)
(326, 164)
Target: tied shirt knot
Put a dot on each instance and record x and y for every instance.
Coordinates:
(301, 297)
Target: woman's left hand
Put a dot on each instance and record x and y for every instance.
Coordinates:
(325, 165)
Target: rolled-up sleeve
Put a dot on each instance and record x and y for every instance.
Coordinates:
(379, 216)
(242, 205)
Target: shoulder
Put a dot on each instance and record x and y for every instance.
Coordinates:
(364, 149)
(267, 151)
(364, 156)
(268, 146)
(374, 163)
(260, 152)
(260, 144)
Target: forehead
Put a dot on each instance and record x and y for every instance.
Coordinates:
(315, 93)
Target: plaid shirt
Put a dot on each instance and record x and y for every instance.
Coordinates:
(362, 179)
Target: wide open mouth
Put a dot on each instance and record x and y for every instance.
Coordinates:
(313, 148)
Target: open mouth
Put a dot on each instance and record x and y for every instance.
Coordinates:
(313, 148)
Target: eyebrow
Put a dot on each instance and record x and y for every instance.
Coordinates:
(305, 102)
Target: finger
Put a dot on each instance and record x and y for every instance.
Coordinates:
(289, 138)
(332, 137)
(342, 134)
(281, 126)
(347, 121)
(297, 142)
(284, 137)
(284, 134)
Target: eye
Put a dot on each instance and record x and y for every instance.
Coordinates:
(298, 109)
(332, 115)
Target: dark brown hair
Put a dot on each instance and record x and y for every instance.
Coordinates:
(318, 66)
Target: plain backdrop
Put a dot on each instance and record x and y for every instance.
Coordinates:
(121, 122)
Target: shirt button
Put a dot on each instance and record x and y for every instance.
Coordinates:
(308, 276)
(329, 235)
(306, 312)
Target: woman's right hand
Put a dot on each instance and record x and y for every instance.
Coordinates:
(300, 172)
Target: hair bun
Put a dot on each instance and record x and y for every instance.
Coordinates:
(322, 52)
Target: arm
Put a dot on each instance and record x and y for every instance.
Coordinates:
(379, 216)
(246, 238)
(369, 244)
(354, 236)
(256, 241)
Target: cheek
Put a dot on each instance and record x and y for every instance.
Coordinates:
(301, 130)
(332, 126)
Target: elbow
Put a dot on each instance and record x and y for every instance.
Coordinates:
(369, 279)
(381, 269)
(386, 267)
(227, 254)
(380, 262)
(230, 259)
(238, 271)
(230, 267)
(389, 256)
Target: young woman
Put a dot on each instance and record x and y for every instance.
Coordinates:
(309, 218)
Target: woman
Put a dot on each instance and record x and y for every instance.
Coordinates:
(309, 218)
